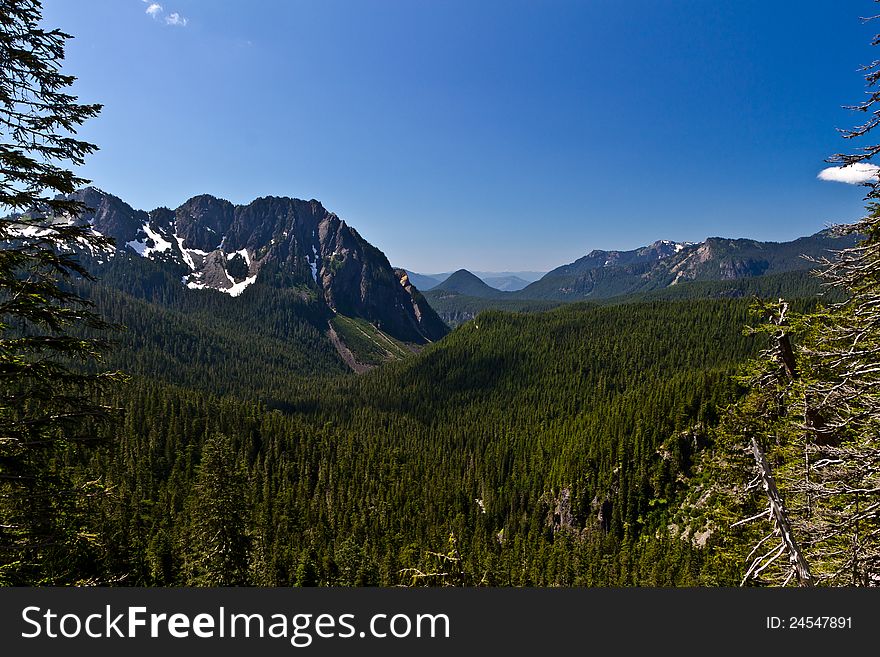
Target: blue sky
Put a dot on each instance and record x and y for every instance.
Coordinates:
(487, 135)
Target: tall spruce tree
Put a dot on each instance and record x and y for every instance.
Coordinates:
(47, 401)
(216, 544)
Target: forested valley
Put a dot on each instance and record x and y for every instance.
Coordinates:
(251, 395)
(551, 448)
(546, 449)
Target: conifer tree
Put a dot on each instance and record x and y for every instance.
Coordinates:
(216, 545)
(46, 400)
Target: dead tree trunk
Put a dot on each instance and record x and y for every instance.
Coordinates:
(783, 343)
(777, 511)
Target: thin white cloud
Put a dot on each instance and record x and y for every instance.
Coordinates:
(154, 10)
(854, 174)
(176, 19)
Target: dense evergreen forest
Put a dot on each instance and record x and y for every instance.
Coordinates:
(523, 449)
(543, 448)
(252, 346)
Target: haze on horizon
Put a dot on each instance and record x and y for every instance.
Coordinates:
(493, 136)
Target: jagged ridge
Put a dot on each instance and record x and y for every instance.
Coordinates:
(281, 241)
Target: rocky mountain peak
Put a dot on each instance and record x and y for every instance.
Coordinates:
(110, 215)
(224, 247)
(202, 221)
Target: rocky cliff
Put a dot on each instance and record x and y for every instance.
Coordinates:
(278, 241)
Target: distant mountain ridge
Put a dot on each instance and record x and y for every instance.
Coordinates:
(423, 281)
(284, 242)
(605, 274)
(602, 275)
(506, 281)
(598, 259)
(464, 282)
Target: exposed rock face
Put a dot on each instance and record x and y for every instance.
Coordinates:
(730, 259)
(644, 256)
(280, 241)
(422, 311)
(111, 216)
(202, 221)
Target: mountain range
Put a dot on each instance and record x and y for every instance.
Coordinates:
(603, 274)
(506, 281)
(371, 310)
(717, 267)
(283, 242)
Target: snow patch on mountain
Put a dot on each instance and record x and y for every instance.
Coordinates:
(142, 248)
(187, 258)
(238, 288)
(244, 254)
(195, 282)
(109, 249)
(29, 230)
